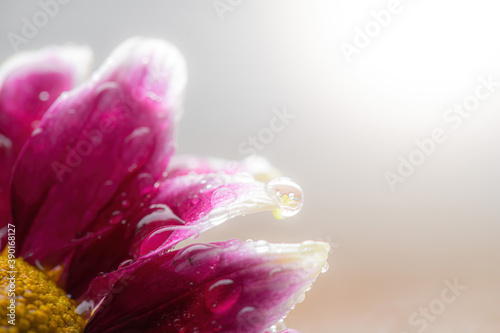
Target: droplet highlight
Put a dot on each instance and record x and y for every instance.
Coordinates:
(287, 194)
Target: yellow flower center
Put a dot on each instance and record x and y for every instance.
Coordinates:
(31, 302)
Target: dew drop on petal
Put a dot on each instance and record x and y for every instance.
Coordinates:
(36, 139)
(262, 246)
(145, 183)
(275, 271)
(44, 96)
(279, 326)
(222, 295)
(307, 247)
(116, 217)
(211, 181)
(243, 177)
(287, 194)
(137, 147)
(218, 216)
(248, 318)
(5, 142)
(125, 263)
(301, 297)
(223, 196)
(325, 267)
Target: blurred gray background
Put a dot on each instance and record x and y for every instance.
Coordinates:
(361, 100)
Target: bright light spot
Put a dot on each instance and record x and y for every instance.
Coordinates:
(424, 51)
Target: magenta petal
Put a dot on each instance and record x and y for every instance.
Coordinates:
(29, 84)
(218, 287)
(93, 147)
(203, 201)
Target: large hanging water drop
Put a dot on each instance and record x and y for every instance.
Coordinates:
(287, 194)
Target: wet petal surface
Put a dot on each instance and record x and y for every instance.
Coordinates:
(203, 201)
(217, 287)
(92, 147)
(29, 83)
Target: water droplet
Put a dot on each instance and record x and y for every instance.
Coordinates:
(249, 318)
(218, 216)
(194, 258)
(243, 177)
(325, 267)
(222, 295)
(195, 200)
(274, 271)
(5, 142)
(125, 263)
(307, 247)
(44, 96)
(223, 196)
(137, 147)
(116, 217)
(125, 203)
(132, 167)
(145, 183)
(261, 246)
(291, 203)
(37, 131)
(279, 326)
(211, 181)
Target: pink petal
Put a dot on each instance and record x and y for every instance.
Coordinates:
(198, 202)
(94, 146)
(173, 210)
(29, 83)
(218, 287)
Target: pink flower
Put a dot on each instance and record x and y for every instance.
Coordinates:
(99, 200)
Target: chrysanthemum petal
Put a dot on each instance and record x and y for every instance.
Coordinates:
(29, 84)
(217, 287)
(93, 146)
(202, 201)
(178, 208)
